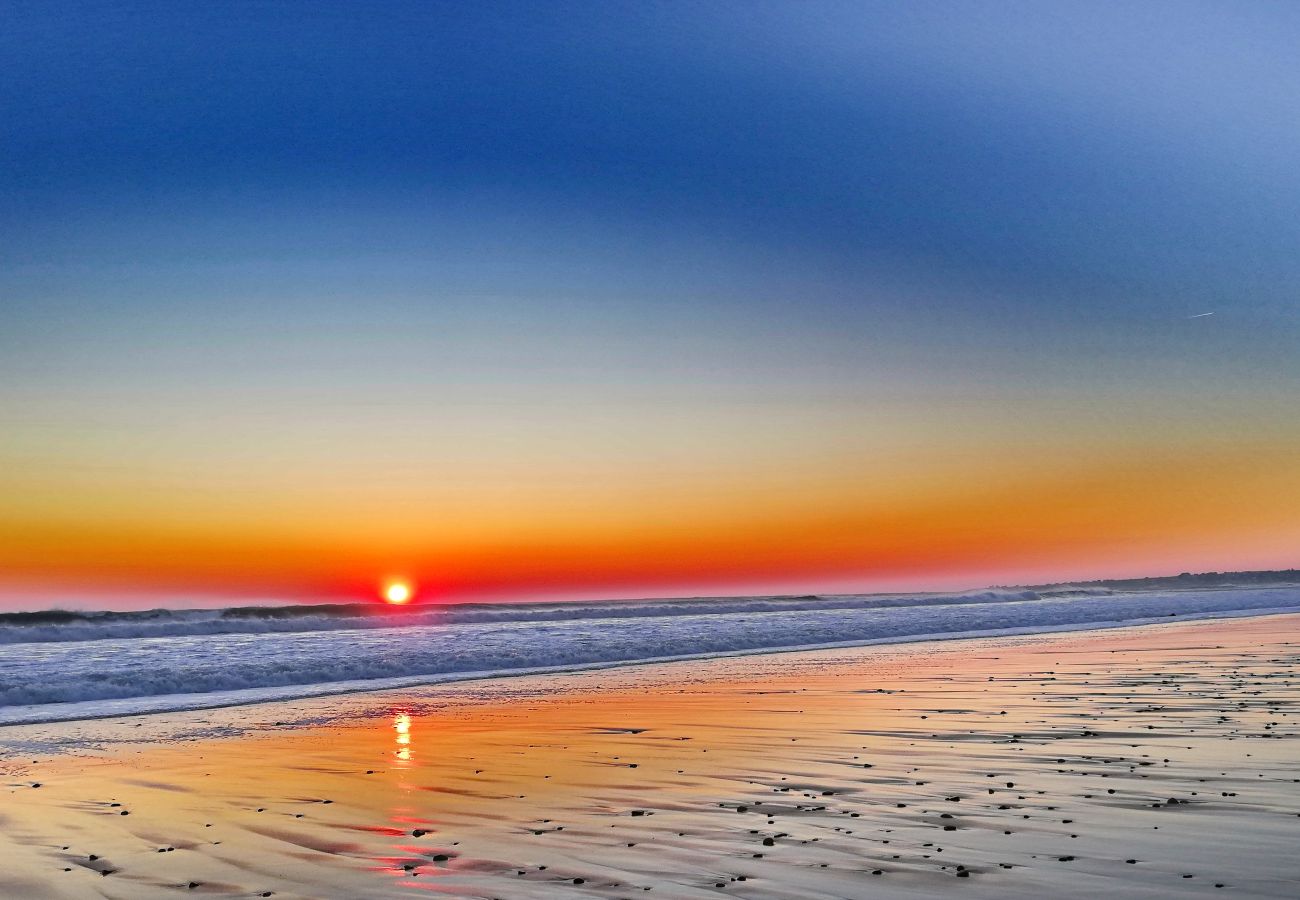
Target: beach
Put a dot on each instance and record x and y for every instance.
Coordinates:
(1149, 761)
(535, 451)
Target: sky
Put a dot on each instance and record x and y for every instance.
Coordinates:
(544, 301)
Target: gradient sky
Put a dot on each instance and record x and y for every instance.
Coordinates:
(560, 300)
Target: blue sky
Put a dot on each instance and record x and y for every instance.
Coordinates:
(868, 224)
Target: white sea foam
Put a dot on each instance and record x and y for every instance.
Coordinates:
(50, 679)
(91, 626)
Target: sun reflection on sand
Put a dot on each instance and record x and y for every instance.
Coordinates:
(402, 727)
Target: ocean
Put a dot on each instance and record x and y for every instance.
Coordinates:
(61, 665)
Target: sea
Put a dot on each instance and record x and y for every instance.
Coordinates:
(62, 665)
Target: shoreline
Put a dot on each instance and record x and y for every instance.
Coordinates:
(84, 711)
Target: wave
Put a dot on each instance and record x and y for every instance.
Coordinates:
(58, 680)
(1071, 590)
(67, 625)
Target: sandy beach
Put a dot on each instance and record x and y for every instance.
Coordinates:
(1152, 761)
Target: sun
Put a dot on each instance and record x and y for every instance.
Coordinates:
(397, 592)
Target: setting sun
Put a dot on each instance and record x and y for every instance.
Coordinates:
(397, 592)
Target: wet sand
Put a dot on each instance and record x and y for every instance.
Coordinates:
(1144, 762)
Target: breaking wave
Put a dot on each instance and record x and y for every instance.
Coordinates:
(68, 625)
(119, 664)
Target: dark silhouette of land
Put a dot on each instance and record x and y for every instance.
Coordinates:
(1186, 580)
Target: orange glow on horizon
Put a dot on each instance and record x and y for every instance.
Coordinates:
(1023, 517)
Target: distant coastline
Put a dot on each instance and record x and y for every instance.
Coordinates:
(1190, 580)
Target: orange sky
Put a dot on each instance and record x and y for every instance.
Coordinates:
(829, 525)
(646, 299)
